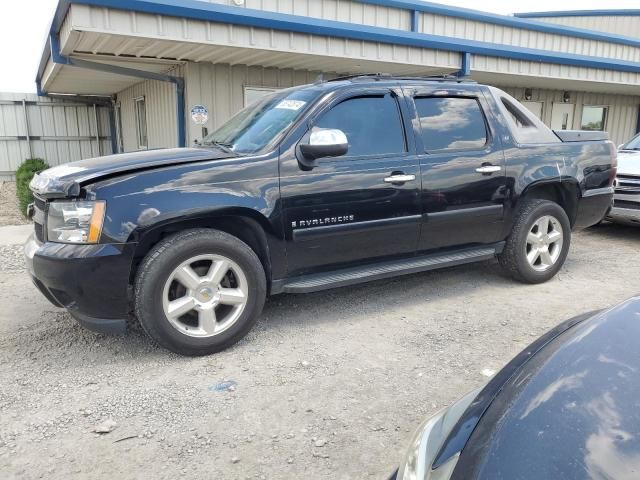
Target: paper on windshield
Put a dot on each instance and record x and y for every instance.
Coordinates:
(291, 104)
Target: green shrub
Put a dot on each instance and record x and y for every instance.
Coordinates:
(24, 174)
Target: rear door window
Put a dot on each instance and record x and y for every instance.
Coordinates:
(372, 125)
(451, 123)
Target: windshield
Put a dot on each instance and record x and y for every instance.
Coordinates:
(261, 124)
(633, 144)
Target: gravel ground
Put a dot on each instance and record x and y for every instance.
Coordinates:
(9, 210)
(328, 385)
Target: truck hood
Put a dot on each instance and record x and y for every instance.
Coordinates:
(629, 162)
(66, 180)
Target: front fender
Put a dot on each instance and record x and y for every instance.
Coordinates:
(143, 200)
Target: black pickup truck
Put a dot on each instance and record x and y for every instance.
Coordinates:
(313, 187)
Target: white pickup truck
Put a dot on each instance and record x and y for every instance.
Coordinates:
(626, 206)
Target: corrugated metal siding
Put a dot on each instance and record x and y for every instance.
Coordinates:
(202, 41)
(177, 38)
(160, 102)
(498, 34)
(341, 10)
(64, 131)
(220, 87)
(506, 66)
(623, 109)
(628, 26)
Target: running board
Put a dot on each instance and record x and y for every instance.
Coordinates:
(367, 273)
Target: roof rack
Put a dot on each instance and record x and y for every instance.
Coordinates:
(388, 76)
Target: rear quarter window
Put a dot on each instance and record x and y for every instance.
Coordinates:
(525, 127)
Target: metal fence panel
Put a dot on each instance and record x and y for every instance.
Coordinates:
(57, 130)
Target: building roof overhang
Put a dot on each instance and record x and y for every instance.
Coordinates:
(53, 75)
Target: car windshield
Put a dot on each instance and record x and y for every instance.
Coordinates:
(261, 124)
(633, 144)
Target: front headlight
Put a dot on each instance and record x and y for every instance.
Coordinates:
(75, 222)
(427, 441)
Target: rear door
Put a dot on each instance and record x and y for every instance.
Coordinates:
(462, 166)
(364, 205)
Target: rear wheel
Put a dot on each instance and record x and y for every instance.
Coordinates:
(199, 291)
(538, 245)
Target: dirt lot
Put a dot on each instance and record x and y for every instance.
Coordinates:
(329, 385)
(9, 211)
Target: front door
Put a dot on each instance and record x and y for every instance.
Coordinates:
(463, 169)
(562, 116)
(362, 206)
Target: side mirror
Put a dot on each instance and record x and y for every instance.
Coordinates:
(329, 142)
(620, 146)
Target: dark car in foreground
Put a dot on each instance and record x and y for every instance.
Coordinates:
(567, 407)
(313, 187)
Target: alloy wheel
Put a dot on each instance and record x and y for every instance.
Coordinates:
(544, 243)
(205, 295)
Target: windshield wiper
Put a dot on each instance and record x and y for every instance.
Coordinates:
(227, 147)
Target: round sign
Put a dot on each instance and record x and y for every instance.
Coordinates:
(199, 114)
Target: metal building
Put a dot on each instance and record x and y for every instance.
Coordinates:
(160, 61)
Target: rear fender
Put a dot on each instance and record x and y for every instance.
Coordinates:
(564, 193)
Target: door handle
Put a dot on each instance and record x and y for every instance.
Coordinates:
(400, 178)
(488, 169)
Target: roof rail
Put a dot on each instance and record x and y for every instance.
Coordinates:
(388, 76)
(321, 79)
(438, 78)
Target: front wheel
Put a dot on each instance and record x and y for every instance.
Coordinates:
(199, 291)
(539, 242)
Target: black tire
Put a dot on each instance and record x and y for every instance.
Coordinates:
(514, 256)
(156, 269)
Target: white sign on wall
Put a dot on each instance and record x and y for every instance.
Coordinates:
(199, 114)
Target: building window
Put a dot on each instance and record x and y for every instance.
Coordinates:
(141, 123)
(594, 118)
(253, 94)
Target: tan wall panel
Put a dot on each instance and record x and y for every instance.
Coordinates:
(220, 87)
(160, 102)
(503, 35)
(628, 26)
(340, 10)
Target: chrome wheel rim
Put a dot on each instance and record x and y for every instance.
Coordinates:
(544, 243)
(205, 295)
